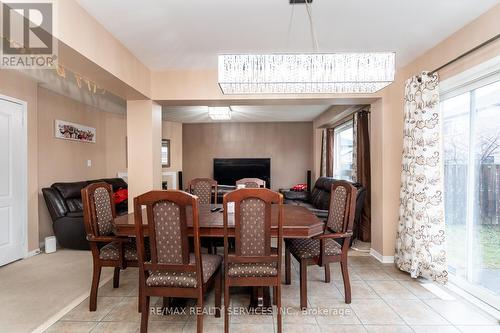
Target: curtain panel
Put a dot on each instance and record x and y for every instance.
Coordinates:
(322, 164)
(420, 243)
(361, 170)
(329, 152)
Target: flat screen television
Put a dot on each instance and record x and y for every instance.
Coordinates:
(228, 170)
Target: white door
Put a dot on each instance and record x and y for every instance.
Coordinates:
(12, 182)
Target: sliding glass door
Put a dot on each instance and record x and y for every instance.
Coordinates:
(471, 143)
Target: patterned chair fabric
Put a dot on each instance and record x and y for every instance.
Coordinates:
(308, 248)
(210, 263)
(252, 227)
(104, 212)
(167, 222)
(252, 270)
(111, 251)
(203, 190)
(337, 210)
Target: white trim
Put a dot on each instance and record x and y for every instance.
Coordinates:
(52, 320)
(475, 293)
(381, 258)
(32, 253)
(24, 171)
(473, 299)
(470, 79)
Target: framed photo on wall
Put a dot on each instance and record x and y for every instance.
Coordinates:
(75, 132)
(165, 153)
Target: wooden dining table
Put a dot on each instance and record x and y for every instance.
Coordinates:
(298, 222)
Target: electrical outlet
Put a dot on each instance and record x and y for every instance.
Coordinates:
(89, 163)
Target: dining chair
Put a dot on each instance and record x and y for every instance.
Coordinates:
(172, 270)
(331, 246)
(107, 249)
(251, 182)
(203, 188)
(253, 262)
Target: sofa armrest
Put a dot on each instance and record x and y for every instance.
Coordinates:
(55, 203)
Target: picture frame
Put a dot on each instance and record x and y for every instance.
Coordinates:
(66, 130)
(165, 153)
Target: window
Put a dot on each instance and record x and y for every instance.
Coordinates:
(165, 153)
(343, 151)
(471, 146)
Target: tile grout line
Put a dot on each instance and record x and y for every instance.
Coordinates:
(56, 317)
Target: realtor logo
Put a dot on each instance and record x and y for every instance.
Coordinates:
(27, 35)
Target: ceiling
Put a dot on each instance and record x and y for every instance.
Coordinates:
(181, 34)
(246, 113)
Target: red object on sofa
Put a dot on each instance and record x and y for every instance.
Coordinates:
(120, 195)
(299, 187)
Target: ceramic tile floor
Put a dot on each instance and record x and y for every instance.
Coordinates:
(383, 300)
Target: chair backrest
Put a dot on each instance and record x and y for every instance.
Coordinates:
(168, 213)
(251, 182)
(98, 209)
(342, 207)
(203, 189)
(252, 224)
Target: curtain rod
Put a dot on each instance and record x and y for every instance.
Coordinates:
(494, 38)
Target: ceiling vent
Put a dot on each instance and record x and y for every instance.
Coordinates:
(295, 2)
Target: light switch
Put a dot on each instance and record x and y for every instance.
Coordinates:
(89, 163)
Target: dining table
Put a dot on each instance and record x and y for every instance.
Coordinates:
(298, 222)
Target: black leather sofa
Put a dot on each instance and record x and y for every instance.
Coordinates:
(64, 203)
(318, 200)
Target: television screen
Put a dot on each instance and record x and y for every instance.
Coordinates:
(228, 170)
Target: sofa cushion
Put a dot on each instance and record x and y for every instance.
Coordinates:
(74, 205)
(70, 190)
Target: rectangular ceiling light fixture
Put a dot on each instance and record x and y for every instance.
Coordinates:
(309, 73)
(219, 113)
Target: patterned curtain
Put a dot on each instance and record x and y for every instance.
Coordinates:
(420, 243)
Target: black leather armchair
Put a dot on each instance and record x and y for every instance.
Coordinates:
(64, 203)
(318, 200)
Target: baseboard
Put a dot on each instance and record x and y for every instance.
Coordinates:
(381, 258)
(32, 253)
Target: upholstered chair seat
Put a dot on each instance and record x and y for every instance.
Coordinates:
(210, 264)
(261, 269)
(111, 251)
(310, 248)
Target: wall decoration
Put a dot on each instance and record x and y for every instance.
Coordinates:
(76, 132)
(165, 153)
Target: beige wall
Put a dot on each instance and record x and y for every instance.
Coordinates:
(289, 145)
(173, 131)
(76, 28)
(66, 161)
(387, 120)
(144, 131)
(14, 85)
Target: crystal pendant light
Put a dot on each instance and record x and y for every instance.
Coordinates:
(305, 73)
